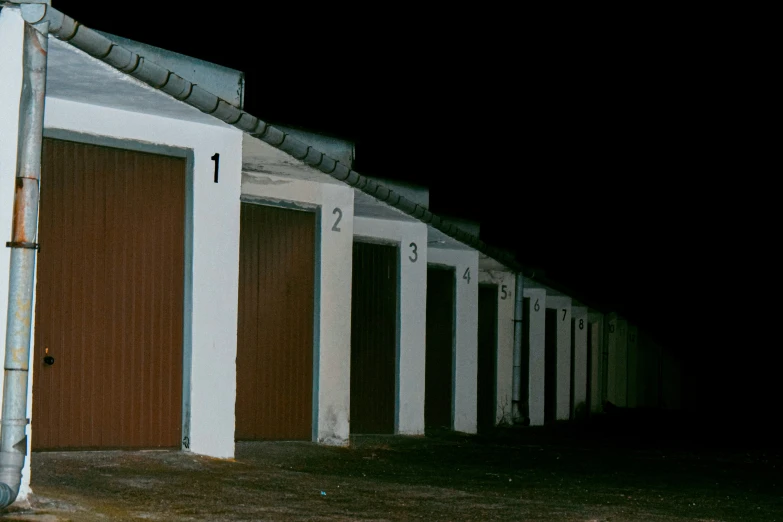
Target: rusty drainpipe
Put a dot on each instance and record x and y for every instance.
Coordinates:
(13, 439)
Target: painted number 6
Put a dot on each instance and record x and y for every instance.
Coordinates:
(536, 306)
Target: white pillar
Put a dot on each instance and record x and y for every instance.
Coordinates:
(633, 367)
(465, 359)
(562, 306)
(536, 330)
(597, 363)
(580, 322)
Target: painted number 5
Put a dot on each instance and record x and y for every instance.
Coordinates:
(415, 254)
(339, 213)
(503, 292)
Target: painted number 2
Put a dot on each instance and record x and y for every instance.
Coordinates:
(414, 253)
(466, 275)
(339, 214)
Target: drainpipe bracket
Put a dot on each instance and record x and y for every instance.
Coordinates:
(14, 422)
(22, 244)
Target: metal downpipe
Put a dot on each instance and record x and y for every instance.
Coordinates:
(13, 439)
(516, 394)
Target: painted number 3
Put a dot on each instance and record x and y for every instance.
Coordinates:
(414, 253)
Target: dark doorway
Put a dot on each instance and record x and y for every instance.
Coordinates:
(373, 338)
(487, 356)
(439, 362)
(590, 383)
(550, 362)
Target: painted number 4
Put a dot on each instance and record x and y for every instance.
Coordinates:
(466, 275)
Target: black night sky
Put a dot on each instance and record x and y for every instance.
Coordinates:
(580, 147)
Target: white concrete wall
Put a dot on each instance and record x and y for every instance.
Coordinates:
(579, 314)
(563, 359)
(333, 358)
(411, 238)
(633, 367)
(465, 365)
(536, 331)
(597, 364)
(504, 363)
(212, 313)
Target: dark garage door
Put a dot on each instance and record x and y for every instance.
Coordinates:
(373, 338)
(487, 355)
(275, 330)
(550, 362)
(440, 348)
(109, 299)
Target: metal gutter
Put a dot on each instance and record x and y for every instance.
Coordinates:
(99, 46)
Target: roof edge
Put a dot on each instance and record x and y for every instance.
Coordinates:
(97, 45)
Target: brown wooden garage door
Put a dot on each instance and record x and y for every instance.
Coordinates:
(438, 371)
(275, 331)
(109, 299)
(373, 338)
(487, 355)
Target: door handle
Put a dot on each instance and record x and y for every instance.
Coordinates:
(48, 359)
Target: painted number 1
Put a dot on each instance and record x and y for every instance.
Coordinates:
(216, 159)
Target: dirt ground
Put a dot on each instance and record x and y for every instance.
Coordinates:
(514, 474)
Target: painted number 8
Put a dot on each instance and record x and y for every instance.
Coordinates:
(581, 324)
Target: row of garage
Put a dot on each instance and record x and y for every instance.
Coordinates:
(110, 298)
(197, 285)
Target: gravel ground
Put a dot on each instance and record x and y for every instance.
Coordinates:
(517, 474)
